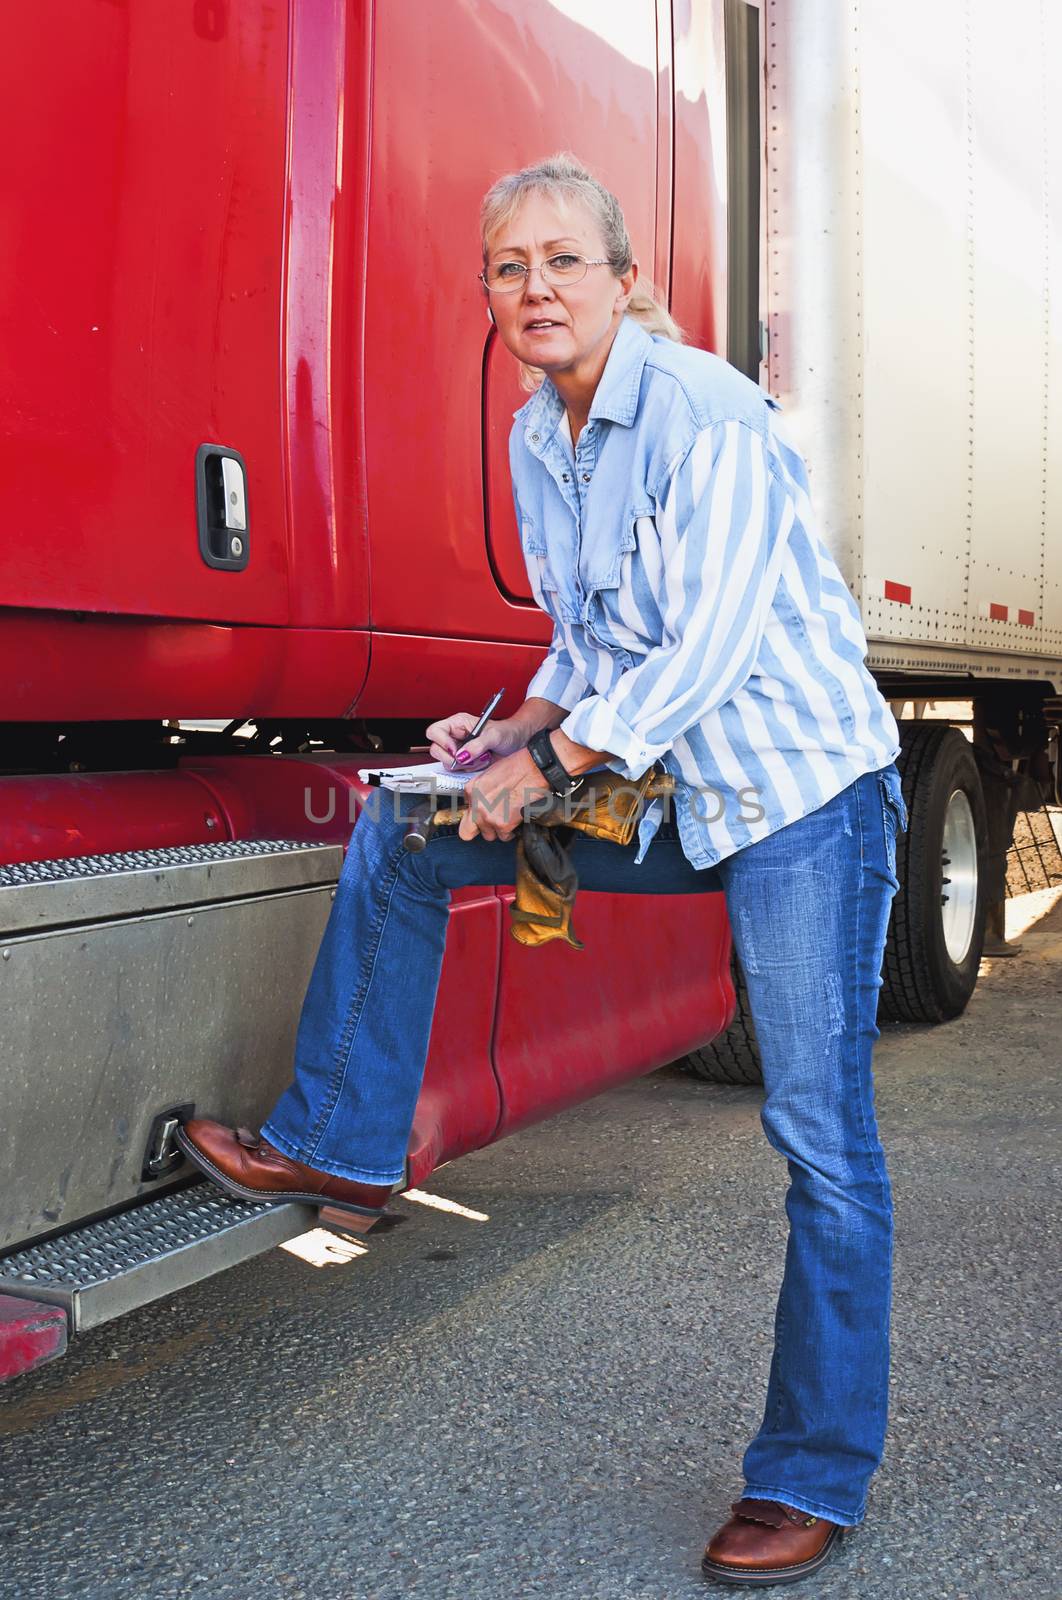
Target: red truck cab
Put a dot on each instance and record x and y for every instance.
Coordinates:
(255, 430)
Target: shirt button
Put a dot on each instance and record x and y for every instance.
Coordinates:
(586, 477)
(534, 438)
(564, 475)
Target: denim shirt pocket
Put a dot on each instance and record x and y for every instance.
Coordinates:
(604, 573)
(530, 539)
(539, 572)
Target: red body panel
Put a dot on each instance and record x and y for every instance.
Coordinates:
(415, 676)
(323, 348)
(460, 1107)
(655, 970)
(49, 818)
(58, 668)
(140, 305)
(275, 213)
(698, 271)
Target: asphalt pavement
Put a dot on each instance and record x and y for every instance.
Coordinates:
(541, 1381)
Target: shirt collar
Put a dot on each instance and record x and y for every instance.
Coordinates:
(616, 396)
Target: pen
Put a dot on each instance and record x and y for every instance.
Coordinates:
(480, 725)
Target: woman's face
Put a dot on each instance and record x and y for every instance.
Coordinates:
(566, 328)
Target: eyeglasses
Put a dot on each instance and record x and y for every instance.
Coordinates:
(558, 271)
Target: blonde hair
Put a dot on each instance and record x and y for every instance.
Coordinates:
(562, 175)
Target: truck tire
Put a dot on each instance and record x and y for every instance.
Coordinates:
(937, 927)
(735, 1056)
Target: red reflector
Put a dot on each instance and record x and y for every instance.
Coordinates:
(898, 591)
(997, 613)
(1027, 618)
(30, 1333)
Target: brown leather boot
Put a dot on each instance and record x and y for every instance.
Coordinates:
(251, 1168)
(766, 1542)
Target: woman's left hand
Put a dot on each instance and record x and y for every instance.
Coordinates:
(497, 797)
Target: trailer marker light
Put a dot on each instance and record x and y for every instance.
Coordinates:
(997, 613)
(1027, 619)
(898, 591)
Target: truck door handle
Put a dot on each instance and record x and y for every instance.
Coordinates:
(221, 507)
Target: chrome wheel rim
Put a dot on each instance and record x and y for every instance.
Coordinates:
(958, 895)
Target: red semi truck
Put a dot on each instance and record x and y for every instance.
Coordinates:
(258, 533)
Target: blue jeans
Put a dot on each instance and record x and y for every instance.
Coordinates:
(809, 908)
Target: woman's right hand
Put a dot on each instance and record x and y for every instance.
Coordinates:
(447, 739)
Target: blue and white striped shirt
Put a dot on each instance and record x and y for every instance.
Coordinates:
(699, 620)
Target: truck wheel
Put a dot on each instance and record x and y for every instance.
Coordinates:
(937, 926)
(735, 1056)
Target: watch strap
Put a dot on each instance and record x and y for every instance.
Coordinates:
(540, 748)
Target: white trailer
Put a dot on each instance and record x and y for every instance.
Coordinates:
(909, 294)
(912, 214)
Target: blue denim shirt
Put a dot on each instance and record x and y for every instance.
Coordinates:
(699, 620)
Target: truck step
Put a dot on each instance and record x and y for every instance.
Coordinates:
(112, 1266)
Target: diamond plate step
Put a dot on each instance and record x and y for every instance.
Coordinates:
(109, 1267)
(40, 895)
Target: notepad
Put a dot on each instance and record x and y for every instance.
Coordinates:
(424, 777)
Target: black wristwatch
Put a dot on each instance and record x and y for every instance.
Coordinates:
(540, 748)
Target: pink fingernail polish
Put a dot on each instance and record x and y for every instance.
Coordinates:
(463, 756)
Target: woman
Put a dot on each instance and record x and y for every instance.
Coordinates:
(699, 622)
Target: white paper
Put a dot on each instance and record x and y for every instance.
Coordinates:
(425, 777)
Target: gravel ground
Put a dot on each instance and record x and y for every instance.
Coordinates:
(547, 1390)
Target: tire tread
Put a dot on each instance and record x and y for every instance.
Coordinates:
(908, 992)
